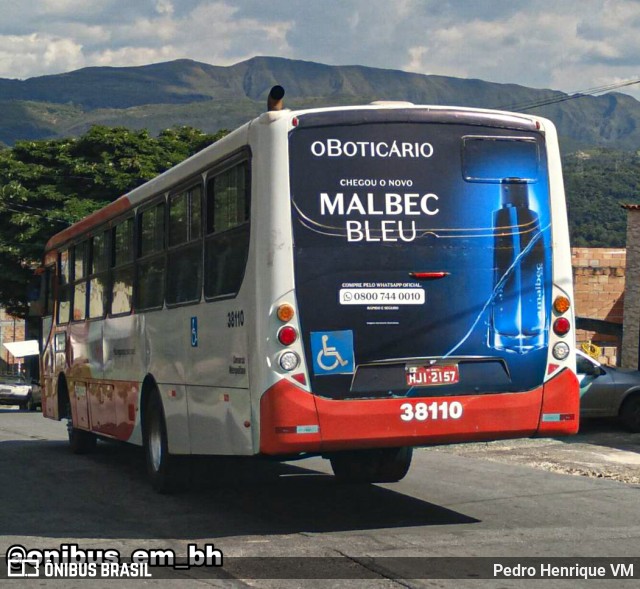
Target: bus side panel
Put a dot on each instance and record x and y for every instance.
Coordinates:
(84, 366)
(217, 359)
(199, 364)
(166, 337)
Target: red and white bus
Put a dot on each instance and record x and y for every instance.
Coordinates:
(349, 282)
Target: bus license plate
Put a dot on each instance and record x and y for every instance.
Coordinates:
(424, 376)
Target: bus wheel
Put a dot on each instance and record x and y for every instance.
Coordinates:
(168, 473)
(630, 413)
(31, 404)
(80, 441)
(384, 465)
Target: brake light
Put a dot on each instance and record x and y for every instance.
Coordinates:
(561, 326)
(287, 335)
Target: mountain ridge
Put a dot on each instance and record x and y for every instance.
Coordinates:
(210, 97)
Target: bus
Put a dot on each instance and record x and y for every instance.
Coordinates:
(345, 282)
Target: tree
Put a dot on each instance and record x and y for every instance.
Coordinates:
(597, 182)
(47, 185)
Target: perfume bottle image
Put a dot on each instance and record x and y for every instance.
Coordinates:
(518, 309)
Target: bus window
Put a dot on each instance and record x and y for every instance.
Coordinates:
(122, 282)
(227, 228)
(494, 159)
(80, 256)
(99, 275)
(49, 291)
(184, 261)
(150, 266)
(64, 288)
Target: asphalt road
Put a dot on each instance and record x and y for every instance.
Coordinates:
(450, 505)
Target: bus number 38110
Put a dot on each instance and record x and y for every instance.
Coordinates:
(434, 411)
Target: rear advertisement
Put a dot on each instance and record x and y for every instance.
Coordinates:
(422, 255)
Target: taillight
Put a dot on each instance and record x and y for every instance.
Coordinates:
(561, 305)
(285, 312)
(561, 326)
(289, 361)
(561, 351)
(287, 335)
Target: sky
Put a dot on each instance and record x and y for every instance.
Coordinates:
(568, 45)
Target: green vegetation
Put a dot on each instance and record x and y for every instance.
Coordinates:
(47, 185)
(597, 182)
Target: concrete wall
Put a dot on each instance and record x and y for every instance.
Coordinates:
(631, 332)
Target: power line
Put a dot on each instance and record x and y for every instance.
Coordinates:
(5, 207)
(524, 106)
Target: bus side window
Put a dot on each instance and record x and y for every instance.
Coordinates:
(151, 258)
(99, 275)
(48, 293)
(122, 275)
(80, 262)
(184, 261)
(64, 287)
(227, 231)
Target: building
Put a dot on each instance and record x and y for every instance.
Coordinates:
(12, 329)
(631, 335)
(599, 288)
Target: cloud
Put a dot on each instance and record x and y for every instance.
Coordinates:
(36, 52)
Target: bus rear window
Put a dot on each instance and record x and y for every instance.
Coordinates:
(492, 159)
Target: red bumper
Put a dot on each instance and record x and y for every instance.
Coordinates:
(294, 421)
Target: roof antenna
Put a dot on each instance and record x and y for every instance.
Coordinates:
(275, 102)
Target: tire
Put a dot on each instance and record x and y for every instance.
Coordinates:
(630, 414)
(384, 465)
(168, 473)
(29, 404)
(81, 441)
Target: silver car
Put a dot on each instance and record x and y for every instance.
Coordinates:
(609, 392)
(15, 390)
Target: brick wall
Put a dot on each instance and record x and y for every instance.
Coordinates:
(599, 283)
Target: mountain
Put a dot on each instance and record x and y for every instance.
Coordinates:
(186, 92)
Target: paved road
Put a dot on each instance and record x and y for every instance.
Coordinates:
(449, 505)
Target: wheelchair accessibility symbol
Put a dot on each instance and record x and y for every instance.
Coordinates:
(332, 352)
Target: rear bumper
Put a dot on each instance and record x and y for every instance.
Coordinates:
(294, 421)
